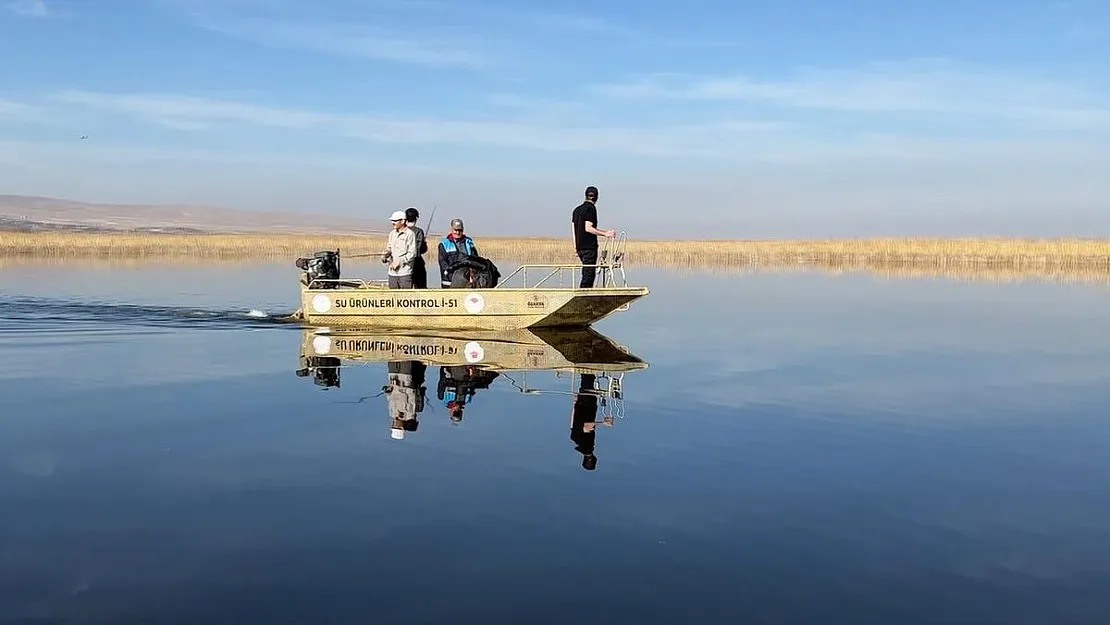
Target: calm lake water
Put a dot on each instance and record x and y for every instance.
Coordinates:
(802, 448)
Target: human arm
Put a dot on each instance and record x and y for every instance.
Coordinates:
(603, 233)
(591, 224)
(387, 252)
(441, 253)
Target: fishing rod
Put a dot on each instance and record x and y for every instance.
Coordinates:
(427, 227)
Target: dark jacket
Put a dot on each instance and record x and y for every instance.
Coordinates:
(458, 384)
(421, 241)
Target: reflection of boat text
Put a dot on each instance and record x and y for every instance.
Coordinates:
(548, 349)
(409, 349)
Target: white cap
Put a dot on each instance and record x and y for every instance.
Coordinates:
(397, 434)
(397, 215)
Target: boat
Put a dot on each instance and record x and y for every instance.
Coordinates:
(553, 300)
(579, 350)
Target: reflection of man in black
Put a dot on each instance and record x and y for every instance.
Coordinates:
(582, 424)
(406, 395)
(457, 385)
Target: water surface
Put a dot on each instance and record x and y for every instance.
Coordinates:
(801, 448)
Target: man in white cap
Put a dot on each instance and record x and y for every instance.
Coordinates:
(406, 392)
(400, 252)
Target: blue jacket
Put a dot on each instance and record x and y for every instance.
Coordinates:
(449, 252)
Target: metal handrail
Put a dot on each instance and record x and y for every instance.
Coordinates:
(611, 394)
(610, 262)
(357, 282)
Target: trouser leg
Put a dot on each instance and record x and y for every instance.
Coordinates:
(588, 257)
(400, 282)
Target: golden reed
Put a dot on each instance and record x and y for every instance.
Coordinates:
(1071, 259)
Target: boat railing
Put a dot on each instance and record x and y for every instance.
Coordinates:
(357, 283)
(607, 387)
(609, 271)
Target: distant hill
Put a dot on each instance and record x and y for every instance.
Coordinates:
(30, 213)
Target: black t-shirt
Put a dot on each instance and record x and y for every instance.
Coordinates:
(585, 212)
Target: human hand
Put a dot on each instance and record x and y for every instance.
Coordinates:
(395, 266)
(610, 233)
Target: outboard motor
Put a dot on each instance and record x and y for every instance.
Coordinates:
(322, 266)
(324, 369)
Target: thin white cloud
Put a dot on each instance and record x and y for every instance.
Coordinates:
(192, 112)
(96, 150)
(175, 110)
(29, 8)
(547, 110)
(11, 109)
(595, 25)
(417, 32)
(354, 40)
(923, 87)
(724, 140)
(366, 30)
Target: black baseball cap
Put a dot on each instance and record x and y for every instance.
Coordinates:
(591, 191)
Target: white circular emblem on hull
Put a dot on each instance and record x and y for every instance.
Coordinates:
(322, 344)
(321, 303)
(474, 352)
(474, 303)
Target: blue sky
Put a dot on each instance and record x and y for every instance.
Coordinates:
(733, 119)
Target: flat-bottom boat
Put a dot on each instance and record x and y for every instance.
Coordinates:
(331, 301)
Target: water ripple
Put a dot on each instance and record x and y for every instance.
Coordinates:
(28, 315)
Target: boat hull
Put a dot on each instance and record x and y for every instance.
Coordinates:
(373, 306)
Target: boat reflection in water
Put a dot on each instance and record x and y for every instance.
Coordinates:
(470, 362)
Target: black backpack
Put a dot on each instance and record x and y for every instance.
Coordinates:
(473, 272)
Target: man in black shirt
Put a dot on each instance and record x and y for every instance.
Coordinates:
(419, 268)
(584, 230)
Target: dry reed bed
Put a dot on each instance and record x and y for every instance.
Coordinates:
(1091, 275)
(939, 254)
(1001, 261)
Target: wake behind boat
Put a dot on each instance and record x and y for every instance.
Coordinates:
(554, 300)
